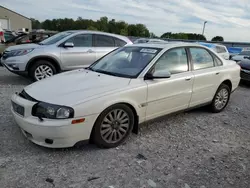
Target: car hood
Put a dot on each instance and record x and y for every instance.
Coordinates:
(23, 46)
(245, 64)
(75, 87)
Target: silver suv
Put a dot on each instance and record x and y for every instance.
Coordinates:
(64, 51)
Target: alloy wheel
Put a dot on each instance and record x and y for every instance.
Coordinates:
(115, 126)
(43, 71)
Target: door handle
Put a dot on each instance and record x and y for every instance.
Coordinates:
(217, 73)
(188, 78)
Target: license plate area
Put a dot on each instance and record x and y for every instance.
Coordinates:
(18, 108)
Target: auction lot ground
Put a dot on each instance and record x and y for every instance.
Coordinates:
(192, 149)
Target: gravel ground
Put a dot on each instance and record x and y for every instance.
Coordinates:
(196, 149)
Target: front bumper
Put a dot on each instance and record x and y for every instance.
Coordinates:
(51, 133)
(15, 64)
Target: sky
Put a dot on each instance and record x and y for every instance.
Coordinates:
(227, 18)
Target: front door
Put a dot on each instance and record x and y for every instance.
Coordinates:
(81, 55)
(170, 94)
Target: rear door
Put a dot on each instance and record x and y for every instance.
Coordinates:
(104, 44)
(207, 75)
(81, 55)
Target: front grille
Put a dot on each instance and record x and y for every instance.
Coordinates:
(18, 108)
(24, 95)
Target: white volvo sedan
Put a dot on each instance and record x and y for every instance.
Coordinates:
(107, 101)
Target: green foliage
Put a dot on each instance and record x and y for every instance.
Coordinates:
(103, 24)
(185, 36)
(218, 38)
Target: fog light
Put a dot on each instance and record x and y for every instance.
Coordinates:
(14, 66)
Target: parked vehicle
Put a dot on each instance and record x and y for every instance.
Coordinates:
(218, 48)
(107, 100)
(64, 51)
(241, 56)
(245, 69)
(148, 40)
(234, 51)
(13, 41)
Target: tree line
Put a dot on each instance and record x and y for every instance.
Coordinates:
(112, 26)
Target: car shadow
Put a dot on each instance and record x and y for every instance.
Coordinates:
(12, 79)
(244, 84)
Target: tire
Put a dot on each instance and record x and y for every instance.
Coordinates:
(47, 69)
(104, 124)
(216, 105)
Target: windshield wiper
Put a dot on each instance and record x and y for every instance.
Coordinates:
(89, 68)
(109, 73)
(40, 43)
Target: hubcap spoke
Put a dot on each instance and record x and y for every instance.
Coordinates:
(43, 71)
(221, 99)
(115, 126)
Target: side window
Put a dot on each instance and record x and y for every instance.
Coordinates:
(201, 58)
(119, 43)
(84, 40)
(104, 41)
(217, 61)
(175, 61)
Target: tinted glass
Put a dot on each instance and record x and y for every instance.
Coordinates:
(174, 61)
(8, 36)
(119, 43)
(201, 58)
(84, 40)
(104, 41)
(126, 61)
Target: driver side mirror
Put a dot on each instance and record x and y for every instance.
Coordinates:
(68, 45)
(158, 75)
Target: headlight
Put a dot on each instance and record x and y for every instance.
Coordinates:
(19, 52)
(51, 111)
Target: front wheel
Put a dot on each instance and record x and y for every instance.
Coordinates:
(113, 126)
(42, 69)
(221, 98)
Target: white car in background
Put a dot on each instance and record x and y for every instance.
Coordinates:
(130, 85)
(148, 40)
(218, 48)
(241, 56)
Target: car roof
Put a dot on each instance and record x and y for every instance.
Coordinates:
(100, 32)
(167, 45)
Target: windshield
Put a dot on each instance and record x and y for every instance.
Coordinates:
(244, 53)
(55, 38)
(126, 62)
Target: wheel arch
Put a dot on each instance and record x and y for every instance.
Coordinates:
(136, 124)
(47, 58)
(228, 83)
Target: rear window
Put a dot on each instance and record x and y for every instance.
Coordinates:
(220, 49)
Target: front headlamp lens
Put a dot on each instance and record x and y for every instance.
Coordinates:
(62, 113)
